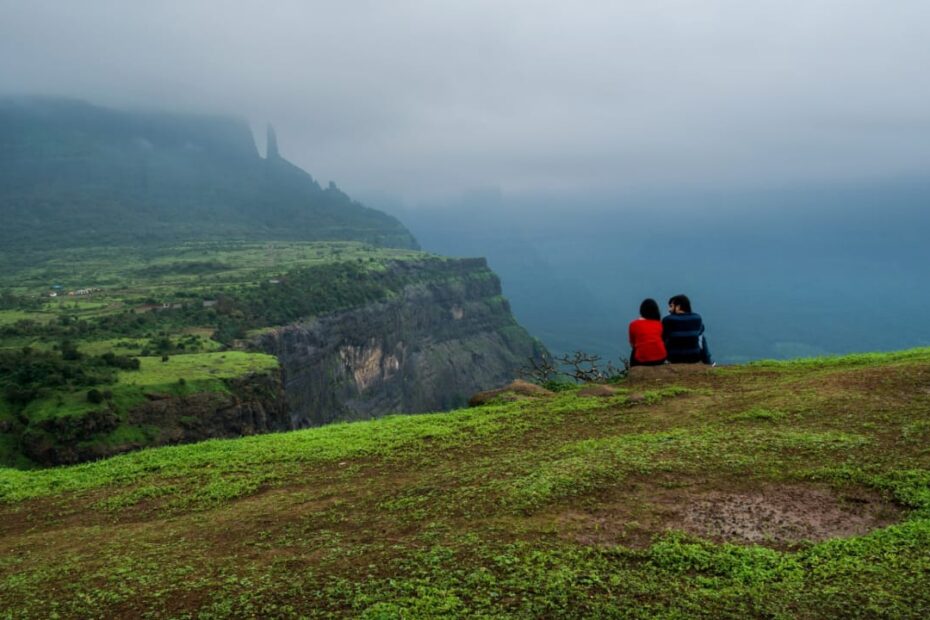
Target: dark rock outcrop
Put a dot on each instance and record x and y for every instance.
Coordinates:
(511, 391)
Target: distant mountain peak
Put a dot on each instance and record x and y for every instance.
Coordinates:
(75, 174)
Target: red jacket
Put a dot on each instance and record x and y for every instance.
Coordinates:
(646, 340)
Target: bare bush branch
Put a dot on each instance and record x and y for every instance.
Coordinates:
(541, 370)
(579, 367)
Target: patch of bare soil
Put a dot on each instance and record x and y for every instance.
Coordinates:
(772, 515)
(666, 371)
(783, 515)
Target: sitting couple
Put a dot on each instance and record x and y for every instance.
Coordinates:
(677, 339)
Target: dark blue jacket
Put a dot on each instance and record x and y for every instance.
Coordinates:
(684, 339)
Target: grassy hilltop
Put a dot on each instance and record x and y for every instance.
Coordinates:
(778, 490)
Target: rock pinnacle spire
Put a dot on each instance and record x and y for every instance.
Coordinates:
(271, 151)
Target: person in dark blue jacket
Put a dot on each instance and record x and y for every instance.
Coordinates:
(683, 333)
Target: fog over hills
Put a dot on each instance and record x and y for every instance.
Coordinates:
(73, 174)
(780, 273)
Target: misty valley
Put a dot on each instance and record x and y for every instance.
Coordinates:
(778, 274)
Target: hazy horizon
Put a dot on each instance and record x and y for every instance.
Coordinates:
(426, 103)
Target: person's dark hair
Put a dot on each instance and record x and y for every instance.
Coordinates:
(649, 309)
(682, 301)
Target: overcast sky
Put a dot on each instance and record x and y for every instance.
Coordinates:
(425, 100)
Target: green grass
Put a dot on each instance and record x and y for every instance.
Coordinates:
(525, 509)
(77, 305)
(854, 359)
(119, 346)
(389, 437)
(10, 317)
(59, 404)
(758, 413)
(71, 416)
(392, 437)
(197, 366)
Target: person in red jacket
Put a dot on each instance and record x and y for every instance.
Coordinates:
(646, 336)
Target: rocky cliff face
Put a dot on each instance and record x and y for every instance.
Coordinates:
(429, 347)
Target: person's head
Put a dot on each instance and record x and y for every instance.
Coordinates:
(679, 304)
(649, 309)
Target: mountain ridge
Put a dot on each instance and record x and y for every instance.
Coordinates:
(74, 174)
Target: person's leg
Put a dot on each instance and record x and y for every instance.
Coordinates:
(705, 352)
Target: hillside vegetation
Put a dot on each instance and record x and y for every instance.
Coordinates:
(89, 334)
(773, 490)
